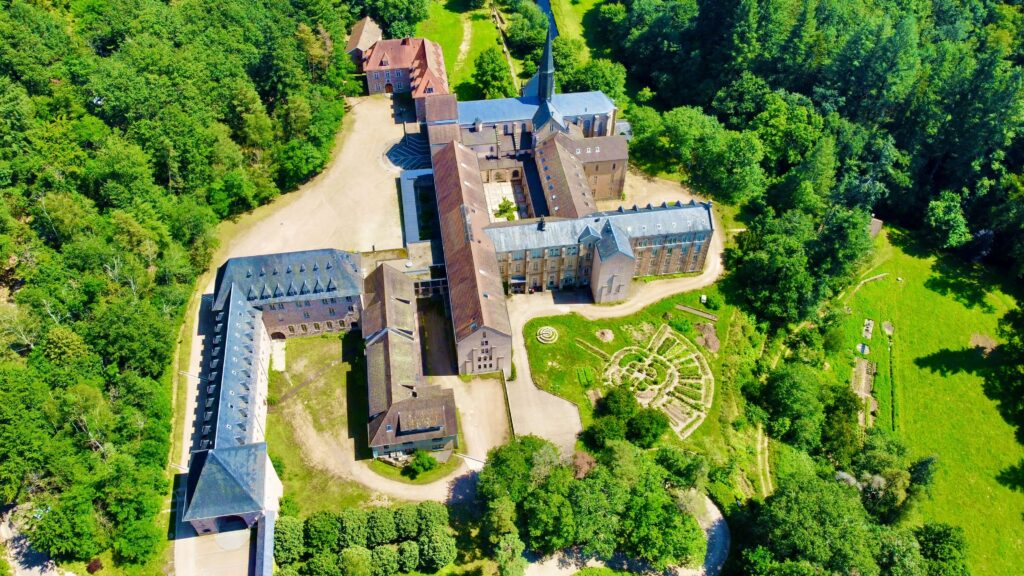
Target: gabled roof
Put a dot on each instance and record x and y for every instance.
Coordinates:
(290, 276)
(524, 108)
(364, 33)
(233, 363)
(613, 241)
(226, 482)
(428, 416)
(390, 301)
(636, 222)
(474, 281)
(566, 189)
(422, 58)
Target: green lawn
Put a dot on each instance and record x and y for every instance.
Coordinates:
(324, 388)
(445, 25)
(936, 399)
(576, 19)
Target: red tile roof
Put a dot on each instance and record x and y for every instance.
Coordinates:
(474, 281)
(423, 59)
(364, 33)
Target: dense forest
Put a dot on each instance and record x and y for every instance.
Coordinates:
(815, 113)
(128, 129)
(811, 116)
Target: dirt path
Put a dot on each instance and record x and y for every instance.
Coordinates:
(467, 37)
(763, 467)
(535, 411)
(24, 561)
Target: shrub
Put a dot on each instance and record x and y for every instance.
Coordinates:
(322, 564)
(321, 533)
(356, 561)
(407, 525)
(385, 561)
(352, 528)
(408, 556)
(432, 514)
(289, 546)
(380, 527)
(421, 462)
(437, 548)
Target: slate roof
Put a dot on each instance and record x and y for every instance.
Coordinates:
(226, 482)
(364, 33)
(613, 241)
(233, 362)
(474, 281)
(393, 358)
(524, 108)
(290, 276)
(675, 218)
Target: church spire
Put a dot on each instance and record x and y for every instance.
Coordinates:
(546, 74)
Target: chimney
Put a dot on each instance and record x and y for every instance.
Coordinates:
(541, 224)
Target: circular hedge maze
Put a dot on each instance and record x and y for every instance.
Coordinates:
(547, 335)
(670, 374)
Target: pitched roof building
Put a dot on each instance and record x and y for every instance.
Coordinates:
(364, 34)
(413, 65)
(405, 413)
(479, 317)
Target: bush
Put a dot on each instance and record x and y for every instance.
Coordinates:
(321, 533)
(289, 546)
(407, 525)
(356, 561)
(431, 515)
(408, 556)
(322, 564)
(380, 527)
(437, 548)
(352, 528)
(421, 462)
(385, 561)
(646, 427)
(618, 402)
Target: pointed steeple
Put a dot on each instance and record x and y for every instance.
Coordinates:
(546, 74)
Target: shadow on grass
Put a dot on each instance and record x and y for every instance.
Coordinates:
(1002, 380)
(352, 350)
(1013, 477)
(948, 362)
(468, 91)
(458, 6)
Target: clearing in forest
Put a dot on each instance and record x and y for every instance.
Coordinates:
(932, 389)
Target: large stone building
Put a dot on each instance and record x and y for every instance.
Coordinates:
(483, 334)
(231, 481)
(604, 250)
(561, 156)
(405, 414)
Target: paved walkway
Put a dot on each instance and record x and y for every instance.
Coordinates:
(535, 411)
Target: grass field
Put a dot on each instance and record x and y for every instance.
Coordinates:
(316, 378)
(577, 19)
(936, 399)
(564, 368)
(446, 25)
